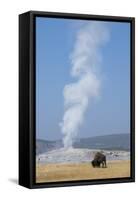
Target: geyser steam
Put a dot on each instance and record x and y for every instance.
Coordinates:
(85, 59)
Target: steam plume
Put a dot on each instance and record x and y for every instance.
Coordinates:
(85, 59)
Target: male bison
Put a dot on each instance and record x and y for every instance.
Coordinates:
(99, 159)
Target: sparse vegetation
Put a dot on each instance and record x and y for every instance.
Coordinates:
(82, 171)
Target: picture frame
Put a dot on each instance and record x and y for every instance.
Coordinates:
(27, 98)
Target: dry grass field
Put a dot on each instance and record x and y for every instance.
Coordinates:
(82, 171)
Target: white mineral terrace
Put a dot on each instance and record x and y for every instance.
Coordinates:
(74, 155)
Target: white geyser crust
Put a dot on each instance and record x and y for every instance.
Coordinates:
(85, 63)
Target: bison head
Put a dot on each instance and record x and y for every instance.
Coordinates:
(95, 163)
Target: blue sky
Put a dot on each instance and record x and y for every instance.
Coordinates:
(110, 114)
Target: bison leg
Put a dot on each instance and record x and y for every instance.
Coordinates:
(98, 163)
(104, 164)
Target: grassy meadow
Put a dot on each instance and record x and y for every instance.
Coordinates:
(81, 171)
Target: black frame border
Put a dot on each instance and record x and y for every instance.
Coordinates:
(29, 18)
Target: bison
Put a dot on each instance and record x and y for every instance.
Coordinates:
(99, 159)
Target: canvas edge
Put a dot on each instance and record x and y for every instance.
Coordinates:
(24, 95)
